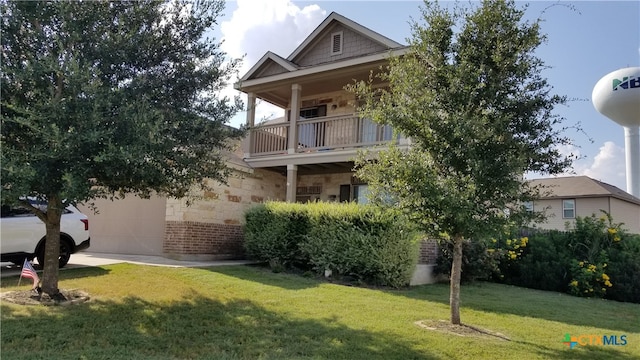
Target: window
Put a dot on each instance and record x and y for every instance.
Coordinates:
(360, 194)
(313, 112)
(528, 205)
(336, 43)
(569, 209)
(356, 191)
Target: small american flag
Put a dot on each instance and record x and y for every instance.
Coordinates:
(29, 272)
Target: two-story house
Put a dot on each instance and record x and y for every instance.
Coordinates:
(315, 142)
(566, 198)
(305, 156)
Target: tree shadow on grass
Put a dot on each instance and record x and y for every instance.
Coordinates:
(579, 353)
(63, 274)
(264, 275)
(193, 328)
(548, 305)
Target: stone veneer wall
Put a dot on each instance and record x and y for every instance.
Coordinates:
(211, 228)
(330, 184)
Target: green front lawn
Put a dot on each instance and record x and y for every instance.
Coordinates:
(239, 312)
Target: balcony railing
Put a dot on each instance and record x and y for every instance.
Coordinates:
(320, 134)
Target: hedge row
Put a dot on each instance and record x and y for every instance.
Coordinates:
(359, 242)
(595, 259)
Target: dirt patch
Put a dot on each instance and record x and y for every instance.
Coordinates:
(31, 297)
(459, 330)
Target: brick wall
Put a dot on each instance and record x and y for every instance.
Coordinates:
(211, 228)
(213, 241)
(428, 252)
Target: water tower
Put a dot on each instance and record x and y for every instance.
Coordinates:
(617, 96)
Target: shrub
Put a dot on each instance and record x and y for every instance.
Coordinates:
(484, 259)
(273, 232)
(544, 265)
(595, 259)
(362, 243)
(477, 262)
(590, 243)
(624, 269)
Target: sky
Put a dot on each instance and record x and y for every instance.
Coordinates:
(586, 41)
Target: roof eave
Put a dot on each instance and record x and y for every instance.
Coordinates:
(242, 84)
(349, 23)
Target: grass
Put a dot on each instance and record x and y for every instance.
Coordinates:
(239, 312)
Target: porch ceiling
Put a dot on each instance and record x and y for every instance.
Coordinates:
(316, 169)
(279, 92)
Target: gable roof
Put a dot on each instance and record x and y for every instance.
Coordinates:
(289, 64)
(581, 187)
(266, 60)
(333, 17)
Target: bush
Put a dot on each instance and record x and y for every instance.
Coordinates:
(273, 232)
(624, 269)
(362, 243)
(477, 262)
(545, 265)
(596, 259)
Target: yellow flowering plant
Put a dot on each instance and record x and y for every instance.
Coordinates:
(590, 246)
(589, 280)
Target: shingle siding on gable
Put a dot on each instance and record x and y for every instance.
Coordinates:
(271, 69)
(353, 44)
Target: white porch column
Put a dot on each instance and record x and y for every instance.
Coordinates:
(292, 182)
(296, 90)
(251, 120)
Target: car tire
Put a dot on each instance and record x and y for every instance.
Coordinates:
(65, 254)
(18, 261)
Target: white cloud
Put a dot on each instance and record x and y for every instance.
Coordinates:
(608, 165)
(258, 26)
(569, 150)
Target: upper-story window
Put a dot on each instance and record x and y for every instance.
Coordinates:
(336, 43)
(313, 112)
(569, 209)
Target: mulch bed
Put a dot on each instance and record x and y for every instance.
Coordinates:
(459, 330)
(31, 297)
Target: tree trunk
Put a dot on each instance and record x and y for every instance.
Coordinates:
(52, 246)
(456, 272)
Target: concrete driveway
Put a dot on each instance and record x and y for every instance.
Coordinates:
(85, 259)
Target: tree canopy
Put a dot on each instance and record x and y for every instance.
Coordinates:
(102, 99)
(471, 97)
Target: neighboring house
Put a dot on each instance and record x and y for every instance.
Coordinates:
(566, 198)
(305, 156)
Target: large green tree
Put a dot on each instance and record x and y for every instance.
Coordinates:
(471, 98)
(102, 99)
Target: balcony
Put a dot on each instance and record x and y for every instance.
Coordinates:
(319, 134)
